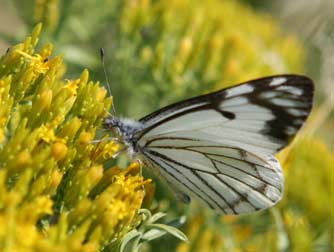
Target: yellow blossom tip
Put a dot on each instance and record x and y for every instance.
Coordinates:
(2, 136)
(134, 166)
(44, 205)
(72, 86)
(84, 76)
(96, 173)
(47, 134)
(43, 100)
(101, 94)
(85, 137)
(56, 177)
(59, 150)
(37, 30)
(23, 158)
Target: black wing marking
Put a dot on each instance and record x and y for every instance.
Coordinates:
(272, 107)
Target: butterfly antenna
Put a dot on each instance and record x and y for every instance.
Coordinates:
(106, 76)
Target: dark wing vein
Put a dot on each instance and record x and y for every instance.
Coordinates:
(196, 172)
(287, 98)
(152, 160)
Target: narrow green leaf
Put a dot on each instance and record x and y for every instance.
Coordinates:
(171, 230)
(128, 238)
(156, 217)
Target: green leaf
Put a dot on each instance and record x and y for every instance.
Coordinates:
(282, 236)
(146, 214)
(168, 229)
(128, 238)
(153, 234)
(156, 217)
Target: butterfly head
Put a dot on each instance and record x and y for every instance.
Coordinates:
(124, 129)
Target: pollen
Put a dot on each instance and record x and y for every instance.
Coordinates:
(44, 205)
(47, 134)
(110, 149)
(38, 64)
(72, 86)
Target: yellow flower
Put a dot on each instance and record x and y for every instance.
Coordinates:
(38, 64)
(72, 86)
(54, 192)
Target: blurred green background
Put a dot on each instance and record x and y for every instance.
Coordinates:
(158, 52)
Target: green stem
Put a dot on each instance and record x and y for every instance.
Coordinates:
(64, 13)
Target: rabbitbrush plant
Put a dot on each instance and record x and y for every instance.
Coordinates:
(55, 193)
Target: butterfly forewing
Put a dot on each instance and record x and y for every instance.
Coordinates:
(267, 111)
(219, 147)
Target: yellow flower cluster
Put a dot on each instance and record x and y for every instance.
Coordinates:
(200, 237)
(54, 192)
(169, 50)
(219, 41)
(306, 210)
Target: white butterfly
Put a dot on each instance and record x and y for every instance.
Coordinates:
(219, 147)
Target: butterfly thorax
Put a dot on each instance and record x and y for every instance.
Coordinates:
(125, 130)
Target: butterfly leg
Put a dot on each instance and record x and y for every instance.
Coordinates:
(140, 163)
(105, 139)
(118, 152)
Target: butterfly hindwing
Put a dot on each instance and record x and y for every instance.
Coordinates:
(228, 180)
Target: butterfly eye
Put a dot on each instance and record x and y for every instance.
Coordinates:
(110, 123)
